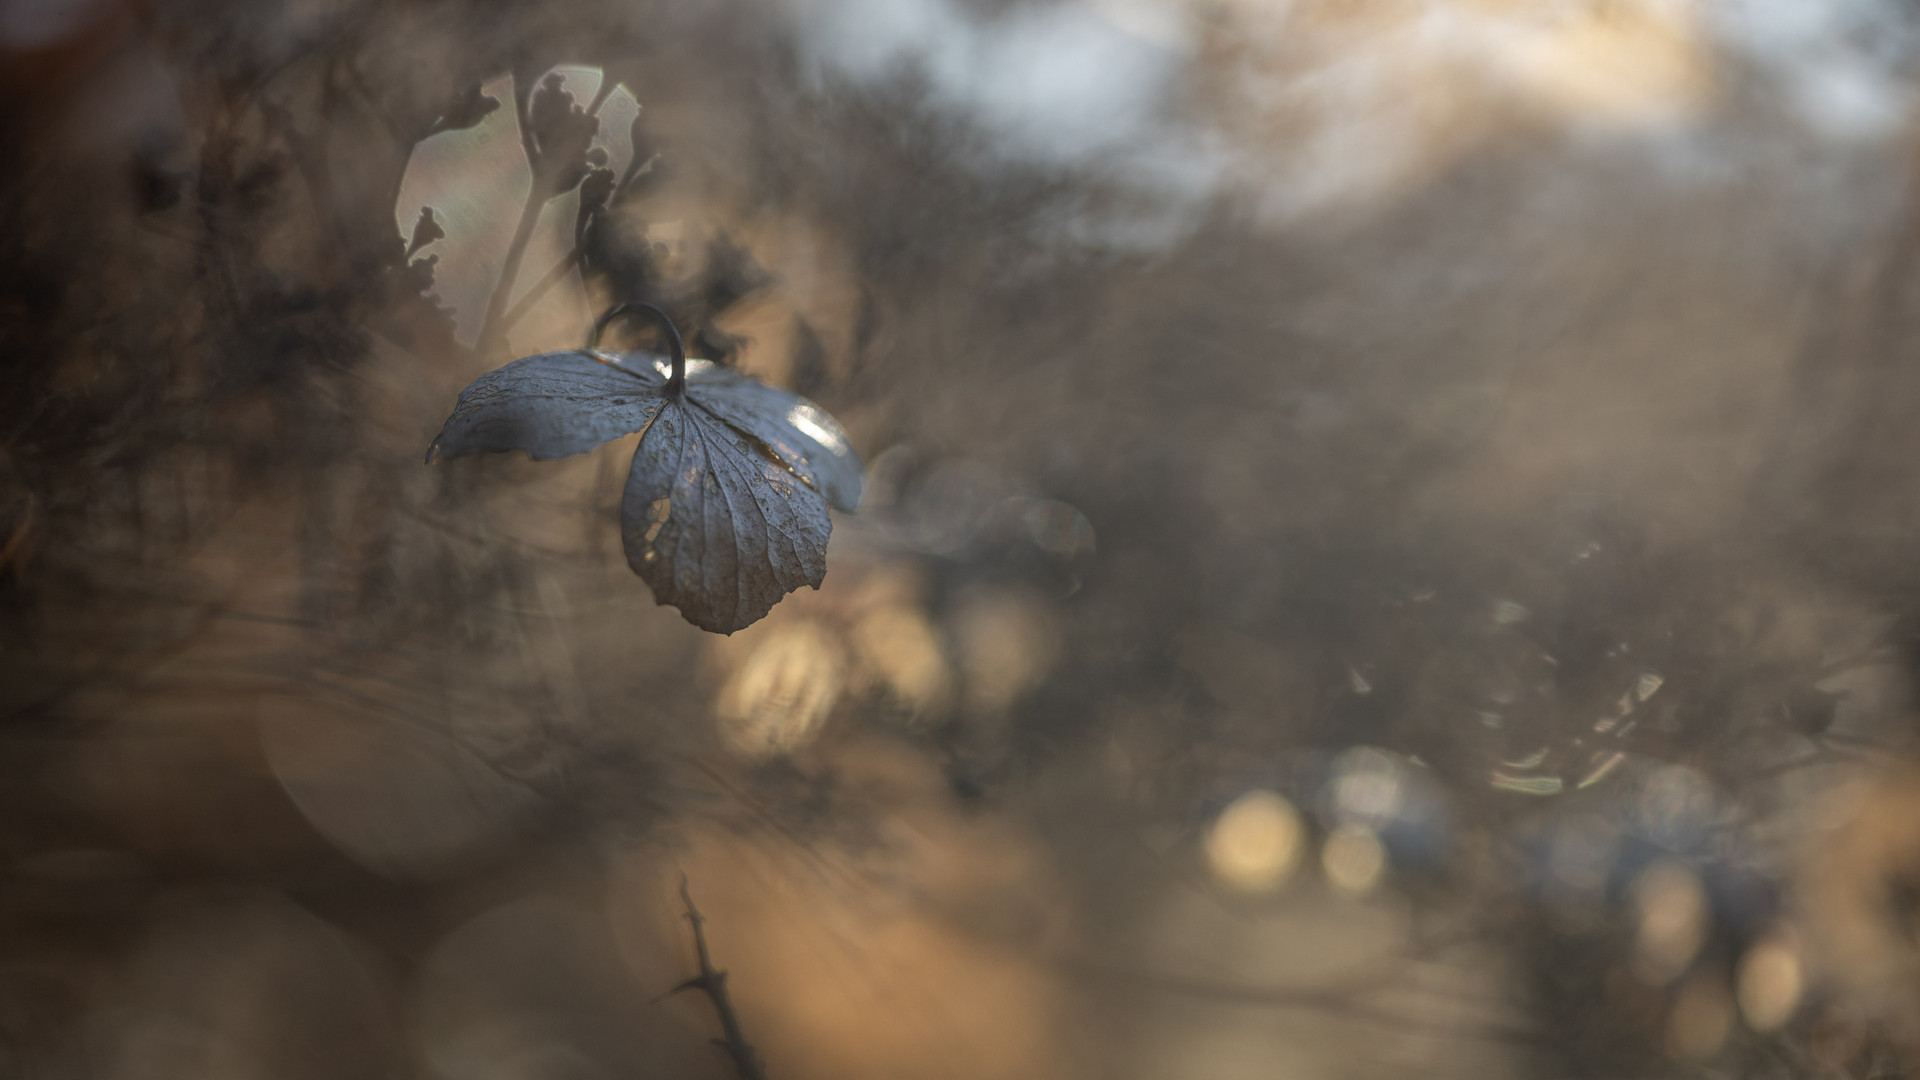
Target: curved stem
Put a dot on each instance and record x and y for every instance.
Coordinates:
(677, 381)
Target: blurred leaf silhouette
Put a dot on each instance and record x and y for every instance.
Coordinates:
(426, 230)
(726, 506)
(560, 135)
(471, 107)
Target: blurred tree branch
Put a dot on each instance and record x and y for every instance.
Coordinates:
(713, 983)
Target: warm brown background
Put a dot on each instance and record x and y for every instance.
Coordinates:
(1475, 434)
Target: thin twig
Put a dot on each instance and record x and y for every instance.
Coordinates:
(713, 983)
(601, 94)
(499, 318)
(553, 277)
(490, 327)
(573, 258)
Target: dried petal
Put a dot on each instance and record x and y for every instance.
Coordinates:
(716, 525)
(553, 405)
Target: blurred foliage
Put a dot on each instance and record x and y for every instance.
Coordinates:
(1451, 616)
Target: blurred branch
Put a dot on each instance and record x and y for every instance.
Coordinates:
(491, 327)
(543, 136)
(602, 93)
(573, 258)
(713, 983)
(540, 288)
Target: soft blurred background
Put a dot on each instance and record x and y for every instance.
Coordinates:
(1389, 549)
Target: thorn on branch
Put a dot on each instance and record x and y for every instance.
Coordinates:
(713, 983)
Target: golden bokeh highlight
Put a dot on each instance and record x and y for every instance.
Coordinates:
(780, 695)
(1337, 104)
(1633, 64)
(1354, 860)
(1007, 643)
(905, 653)
(1672, 917)
(1769, 982)
(1256, 842)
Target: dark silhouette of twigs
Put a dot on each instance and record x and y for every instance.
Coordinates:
(490, 330)
(713, 983)
(500, 316)
(559, 270)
